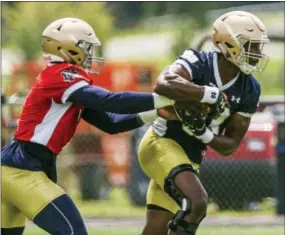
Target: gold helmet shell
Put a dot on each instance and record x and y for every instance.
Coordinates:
(73, 41)
(236, 34)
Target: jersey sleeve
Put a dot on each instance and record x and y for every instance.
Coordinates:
(61, 84)
(250, 103)
(111, 123)
(191, 60)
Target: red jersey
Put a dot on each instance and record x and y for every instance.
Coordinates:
(47, 118)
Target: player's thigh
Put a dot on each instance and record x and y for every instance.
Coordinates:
(159, 155)
(158, 197)
(29, 191)
(11, 216)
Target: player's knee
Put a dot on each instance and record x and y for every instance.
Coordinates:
(200, 202)
(199, 206)
(12, 231)
(61, 217)
(196, 201)
(79, 230)
(157, 220)
(71, 229)
(155, 229)
(170, 186)
(76, 227)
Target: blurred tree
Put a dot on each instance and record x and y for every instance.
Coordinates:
(127, 14)
(25, 21)
(183, 35)
(196, 10)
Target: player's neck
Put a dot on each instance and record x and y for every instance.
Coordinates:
(227, 70)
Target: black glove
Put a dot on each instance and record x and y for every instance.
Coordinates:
(195, 122)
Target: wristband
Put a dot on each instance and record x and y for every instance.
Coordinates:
(148, 116)
(161, 101)
(207, 137)
(211, 95)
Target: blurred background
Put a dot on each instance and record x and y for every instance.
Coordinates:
(139, 39)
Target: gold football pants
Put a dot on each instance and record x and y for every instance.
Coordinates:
(24, 194)
(157, 157)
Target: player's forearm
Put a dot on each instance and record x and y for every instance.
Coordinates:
(234, 131)
(117, 102)
(179, 89)
(113, 123)
(223, 145)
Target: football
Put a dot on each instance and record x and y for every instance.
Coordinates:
(193, 107)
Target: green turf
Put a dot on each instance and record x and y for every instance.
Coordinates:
(278, 230)
(272, 79)
(119, 206)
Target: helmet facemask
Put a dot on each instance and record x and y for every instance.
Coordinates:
(92, 62)
(251, 57)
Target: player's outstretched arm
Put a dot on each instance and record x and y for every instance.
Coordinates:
(175, 83)
(113, 123)
(100, 99)
(235, 130)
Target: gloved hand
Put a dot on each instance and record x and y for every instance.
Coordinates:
(219, 107)
(194, 121)
(193, 107)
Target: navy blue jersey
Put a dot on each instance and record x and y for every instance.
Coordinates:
(243, 93)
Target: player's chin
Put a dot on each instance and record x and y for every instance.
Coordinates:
(253, 62)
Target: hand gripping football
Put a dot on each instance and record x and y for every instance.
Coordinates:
(202, 109)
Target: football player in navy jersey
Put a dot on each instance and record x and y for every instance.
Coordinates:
(171, 151)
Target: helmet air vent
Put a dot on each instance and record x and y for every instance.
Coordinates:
(229, 45)
(72, 52)
(59, 28)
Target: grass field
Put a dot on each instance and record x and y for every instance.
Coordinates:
(119, 206)
(278, 230)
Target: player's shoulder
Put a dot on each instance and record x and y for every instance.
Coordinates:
(197, 63)
(251, 85)
(58, 69)
(195, 56)
(63, 72)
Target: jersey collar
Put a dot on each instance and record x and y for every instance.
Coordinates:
(218, 77)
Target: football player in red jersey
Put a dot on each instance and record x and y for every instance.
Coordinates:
(62, 94)
(171, 151)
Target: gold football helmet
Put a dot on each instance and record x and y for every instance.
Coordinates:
(73, 41)
(241, 36)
